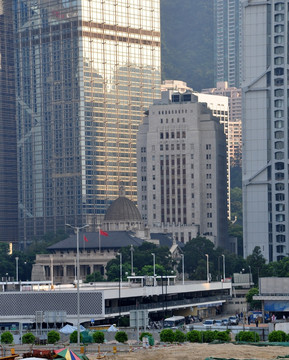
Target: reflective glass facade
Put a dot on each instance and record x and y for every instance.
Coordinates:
(8, 160)
(86, 72)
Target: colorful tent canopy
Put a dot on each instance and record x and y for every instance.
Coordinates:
(67, 354)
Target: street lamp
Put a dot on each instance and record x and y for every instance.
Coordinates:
(17, 269)
(183, 267)
(250, 278)
(131, 259)
(224, 270)
(119, 284)
(208, 274)
(77, 229)
(154, 264)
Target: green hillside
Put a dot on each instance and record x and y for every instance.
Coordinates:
(187, 42)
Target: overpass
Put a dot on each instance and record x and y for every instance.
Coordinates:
(27, 303)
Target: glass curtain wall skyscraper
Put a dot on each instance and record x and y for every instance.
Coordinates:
(86, 72)
(8, 160)
(228, 41)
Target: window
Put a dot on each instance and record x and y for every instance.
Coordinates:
(279, 145)
(279, 186)
(279, 134)
(279, 17)
(278, 103)
(280, 217)
(279, 39)
(279, 113)
(279, 6)
(279, 155)
(280, 207)
(279, 92)
(279, 28)
(279, 50)
(279, 124)
(280, 228)
(280, 197)
(279, 166)
(279, 176)
(279, 82)
(280, 249)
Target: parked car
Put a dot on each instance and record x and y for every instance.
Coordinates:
(225, 322)
(233, 320)
(208, 323)
(219, 322)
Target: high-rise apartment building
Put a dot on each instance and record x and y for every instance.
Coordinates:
(182, 169)
(86, 72)
(228, 41)
(265, 128)
(234, 125)
(8, 148)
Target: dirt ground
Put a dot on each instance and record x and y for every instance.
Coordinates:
(203, 351)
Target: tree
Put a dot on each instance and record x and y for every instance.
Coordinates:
(28, 338)
(7, 338)
(254, 304)
(257, 263)
(73, 337)
(236, 205)
(142, 257)
(52, 337)
(236, 230)
(121, 336)
(94, 277)
(98, 337)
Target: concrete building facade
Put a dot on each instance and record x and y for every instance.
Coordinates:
(234, 127)
(265, 128)
(86, 72)
(182, 169)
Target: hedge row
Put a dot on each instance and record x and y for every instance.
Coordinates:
(168, 335)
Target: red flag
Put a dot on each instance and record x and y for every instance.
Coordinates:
(103, 233)
(85, 238)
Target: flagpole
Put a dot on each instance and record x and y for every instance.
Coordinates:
(99, 244)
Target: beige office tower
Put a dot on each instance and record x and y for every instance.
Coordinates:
(182, 169)
(234, 127)
(86, 72)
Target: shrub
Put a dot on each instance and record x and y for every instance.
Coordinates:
(223, 335)
(277, 336)
(144, 334)
(208, 336)
(167, 335)
(121, 336)
(53, 337)
(7, 338)
(247, 336)
(180, 337)
(28, 338)
(98, 337)
(73, 337)
(194, 336)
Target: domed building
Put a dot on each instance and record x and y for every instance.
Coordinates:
(123, 226)
(122, 215)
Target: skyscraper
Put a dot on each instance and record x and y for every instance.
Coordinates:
(265, 128)
(234, 125)
(182, 169)
(86, 72)
(227, 41)
(8, 148)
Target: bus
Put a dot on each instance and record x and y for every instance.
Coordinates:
(174, 322)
